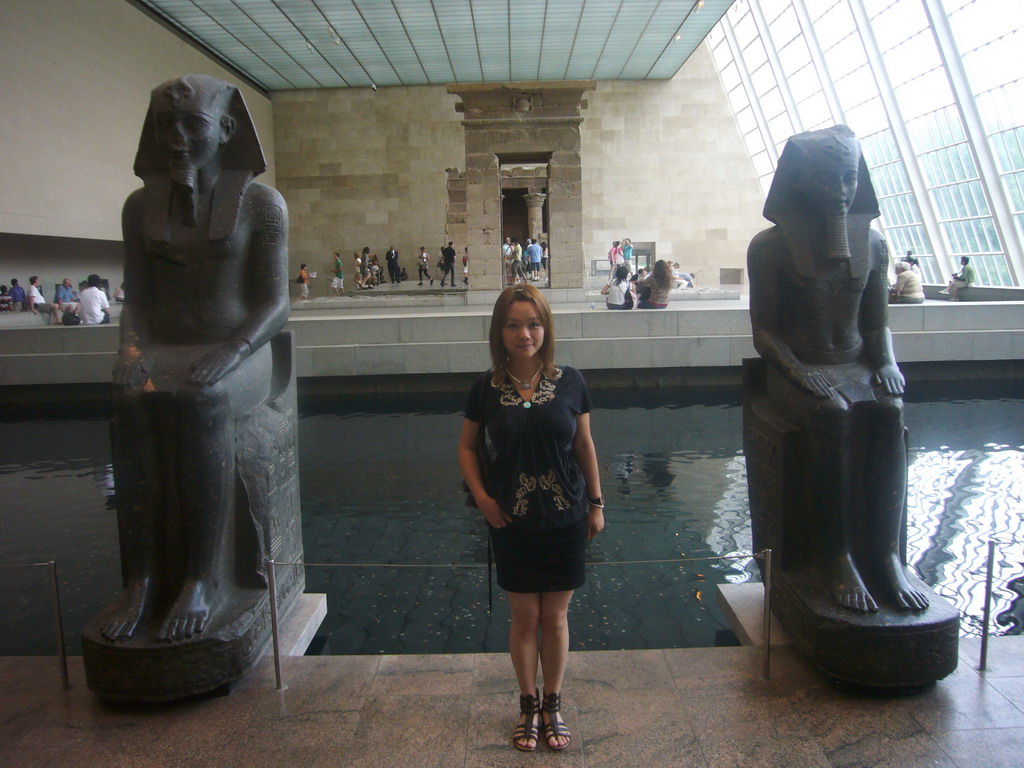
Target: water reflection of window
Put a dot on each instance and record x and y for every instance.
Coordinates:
(957, 501)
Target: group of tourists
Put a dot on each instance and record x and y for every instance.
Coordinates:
(87, 304)
(525, 265)
(369, 272)
(640, 290)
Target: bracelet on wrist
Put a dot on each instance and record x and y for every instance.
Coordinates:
(598, 502)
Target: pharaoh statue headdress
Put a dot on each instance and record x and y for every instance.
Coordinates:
(786, 207)
(241, 157)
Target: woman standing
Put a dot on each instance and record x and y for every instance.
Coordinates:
(654, 288)
(541, 500)
(627, 253)
(614, 258)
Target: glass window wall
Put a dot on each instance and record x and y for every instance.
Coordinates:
(896, 81)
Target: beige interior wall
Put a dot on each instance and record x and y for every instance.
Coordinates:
(75, 77)
(663, 162)
(360, 168)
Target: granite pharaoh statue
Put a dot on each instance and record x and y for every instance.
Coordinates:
(204, 430)
(823, 425)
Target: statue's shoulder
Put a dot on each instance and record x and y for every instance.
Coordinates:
(134, 201)
(257, 194)
(766, 245)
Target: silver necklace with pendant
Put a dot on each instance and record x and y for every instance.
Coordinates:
(528, 384)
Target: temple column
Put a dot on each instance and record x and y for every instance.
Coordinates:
(535, 212)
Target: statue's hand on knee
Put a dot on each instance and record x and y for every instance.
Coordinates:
(814, 382)
(890, 379)
(219, 362)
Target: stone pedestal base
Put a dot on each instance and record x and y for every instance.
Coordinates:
(145, 669)
(885, 650)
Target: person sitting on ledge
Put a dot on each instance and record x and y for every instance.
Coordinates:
(93, 304)
(5, 299)
(619, 290)
(35, 296)
(65, 300)
(655, 287)
(17, 295)
(960, 280)
(908, 288)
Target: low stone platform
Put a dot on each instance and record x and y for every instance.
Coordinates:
(366, 340)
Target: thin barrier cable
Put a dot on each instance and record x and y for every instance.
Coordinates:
(766, 555)
(58, 621)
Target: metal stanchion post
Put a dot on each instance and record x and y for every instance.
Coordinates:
(273, 623)
(59, 626)
(989, 569)
(766, 637)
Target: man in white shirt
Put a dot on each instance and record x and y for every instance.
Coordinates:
(35, 296)
(94, 302)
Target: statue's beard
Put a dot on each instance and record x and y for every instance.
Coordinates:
(185, 179)
(837, 243)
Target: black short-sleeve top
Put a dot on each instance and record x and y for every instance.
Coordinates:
(534, 475)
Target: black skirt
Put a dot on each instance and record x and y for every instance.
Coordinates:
(540, 561)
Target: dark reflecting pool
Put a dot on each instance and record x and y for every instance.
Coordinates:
(381, 495)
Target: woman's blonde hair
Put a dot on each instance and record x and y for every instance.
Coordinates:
(499, 355)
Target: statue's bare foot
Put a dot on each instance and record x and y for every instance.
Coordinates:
(132, 605)
(189, 613)
(846, 587)
(907, 596)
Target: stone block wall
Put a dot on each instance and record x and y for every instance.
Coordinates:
(663, 162)
(365, 169)
(660, 162)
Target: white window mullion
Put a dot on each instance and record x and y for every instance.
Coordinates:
(773, 60)
(902, 138)
(977, 138)
(755, 105)
(818, 58)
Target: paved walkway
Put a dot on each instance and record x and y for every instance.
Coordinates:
(698, 707)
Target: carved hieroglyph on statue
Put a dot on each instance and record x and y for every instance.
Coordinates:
(824, 436)
(204, 431)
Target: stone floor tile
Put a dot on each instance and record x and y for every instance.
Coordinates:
(642, 728)
(699, 668)
(414, 731)
(723, 714)
(423, 674)
(1004, 655)
(309, 675)
(836, 718)
(277, 756)
(918, 751)
(492, 719)
(991, 747)
(493, 673)
(964, 701)
(329, 728)
(764, 753)
(610, 671)
(1010, 687)
(36, 757)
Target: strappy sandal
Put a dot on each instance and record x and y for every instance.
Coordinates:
(526, 730)
(554, 726)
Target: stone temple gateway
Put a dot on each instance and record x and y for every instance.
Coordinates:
(532, 131)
